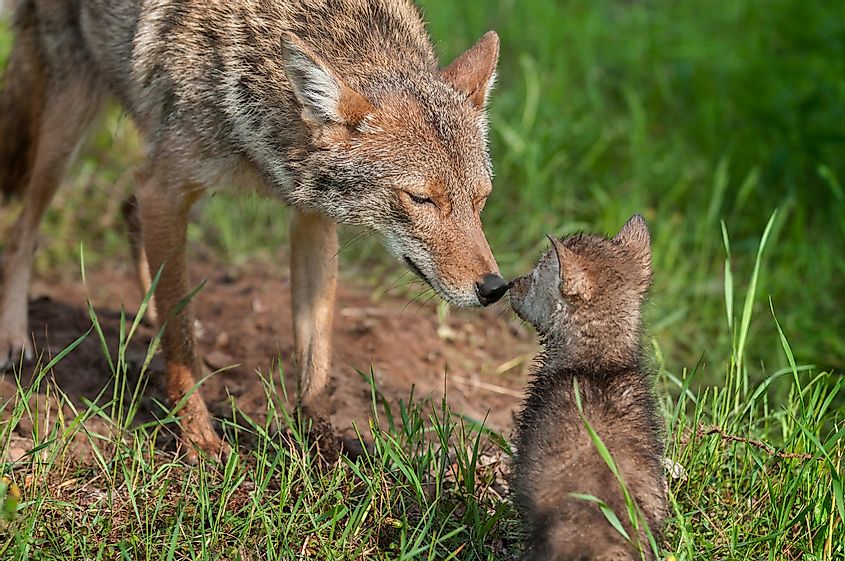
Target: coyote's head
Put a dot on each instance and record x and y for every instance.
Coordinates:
(404, 152)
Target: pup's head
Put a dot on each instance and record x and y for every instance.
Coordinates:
(586, 292)
(405, 154)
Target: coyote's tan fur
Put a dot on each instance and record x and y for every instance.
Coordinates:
(335, 107)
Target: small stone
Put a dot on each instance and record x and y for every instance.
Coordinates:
(222, 340)
(365, 326)
(218, 359)
(674, 469)
(15, 454)
(446, 333)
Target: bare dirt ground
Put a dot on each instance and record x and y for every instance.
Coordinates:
(479, 357)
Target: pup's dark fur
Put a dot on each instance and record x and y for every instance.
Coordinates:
(584, 299)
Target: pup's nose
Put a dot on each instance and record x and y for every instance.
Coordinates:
(490, 289)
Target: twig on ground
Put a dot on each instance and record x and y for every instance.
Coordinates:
(704, 430)
(486, 386)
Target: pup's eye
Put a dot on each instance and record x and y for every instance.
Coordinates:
(420, 200)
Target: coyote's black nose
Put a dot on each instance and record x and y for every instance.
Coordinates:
(490, 289)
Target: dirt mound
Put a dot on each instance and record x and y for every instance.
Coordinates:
(244, 327)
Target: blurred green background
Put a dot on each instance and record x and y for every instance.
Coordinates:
(692, 113)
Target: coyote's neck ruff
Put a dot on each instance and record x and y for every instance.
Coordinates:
(584, 299)
(336, 107)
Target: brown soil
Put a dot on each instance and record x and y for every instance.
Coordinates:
(244, 327)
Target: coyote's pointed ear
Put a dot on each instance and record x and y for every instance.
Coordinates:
(635, 237)
(574, 278)
(324, 97)
(474, 72)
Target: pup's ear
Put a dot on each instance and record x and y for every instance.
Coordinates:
(574, 278)
(634, 236)
(324, 97)
(474, 72)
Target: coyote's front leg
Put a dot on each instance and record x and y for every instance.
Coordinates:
(313, 267)
(163, 212)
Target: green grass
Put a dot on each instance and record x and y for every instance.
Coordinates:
(754, 475)
(691, 113)
(704, 115)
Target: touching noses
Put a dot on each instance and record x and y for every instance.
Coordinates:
(490, 289)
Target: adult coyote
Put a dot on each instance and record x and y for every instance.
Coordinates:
(335, 107)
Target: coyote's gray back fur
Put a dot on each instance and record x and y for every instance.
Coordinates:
(334, 106)
(216, 70)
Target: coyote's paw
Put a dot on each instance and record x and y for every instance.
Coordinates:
(331, 443)
(213, 447)
(199, 436)
(14, 345)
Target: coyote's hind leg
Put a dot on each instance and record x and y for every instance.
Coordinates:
(65, 116)
(139, 255)
(163, 211)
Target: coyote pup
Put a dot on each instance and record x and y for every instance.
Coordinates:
(334, 107)
(584, 298)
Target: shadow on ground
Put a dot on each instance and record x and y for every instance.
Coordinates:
(244, 328)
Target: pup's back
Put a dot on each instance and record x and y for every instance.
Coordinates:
(556, 458)
(584, 298)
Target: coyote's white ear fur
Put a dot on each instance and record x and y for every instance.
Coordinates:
(324, 97)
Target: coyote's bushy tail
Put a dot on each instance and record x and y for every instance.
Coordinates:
(21, 94)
